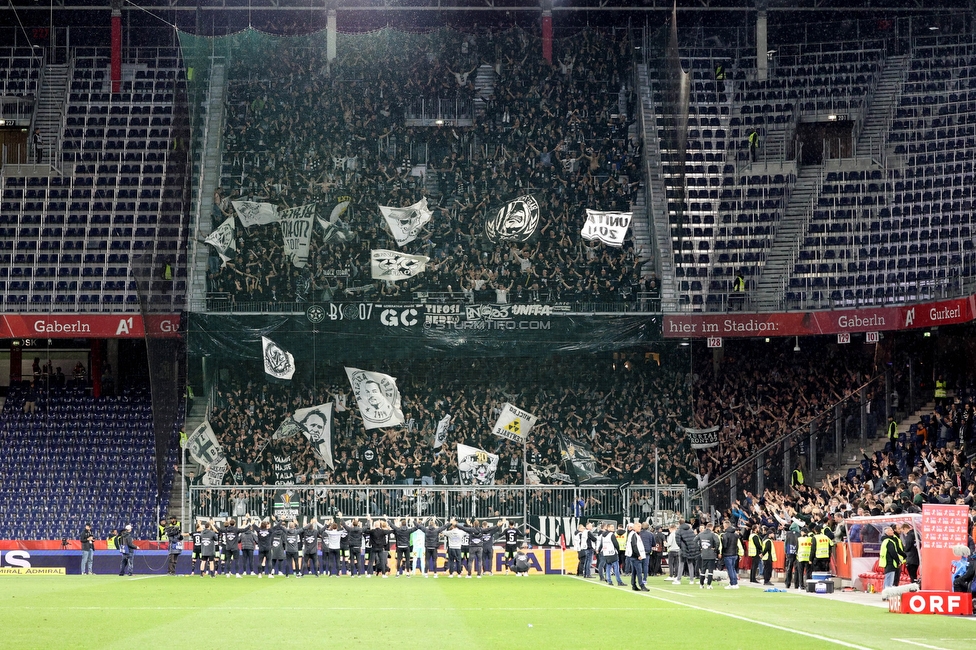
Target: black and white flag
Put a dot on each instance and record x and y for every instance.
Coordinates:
(514, 423)
(205, 450)
(296, 232)
(609, 227)
(335, 227)
(284, 471)
(440, 436)
(222, 239)
(278, 362)
(377, 396)
(406, 223)
(544, 474)
(516, 221)
(701, 438)
(251, 213)
(476, 466)
(579, 461)
(316, 425)
(393, 265)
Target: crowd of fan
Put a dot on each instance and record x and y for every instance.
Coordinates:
(929, 465)
(302, 130)
(623, 409)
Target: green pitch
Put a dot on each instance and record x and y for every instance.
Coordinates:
(494, 612)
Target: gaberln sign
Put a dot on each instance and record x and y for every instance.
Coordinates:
(609, 227)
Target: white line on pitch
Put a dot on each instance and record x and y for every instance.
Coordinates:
(921, 645)
(811, 635)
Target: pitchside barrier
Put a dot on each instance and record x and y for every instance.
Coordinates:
(551, 510)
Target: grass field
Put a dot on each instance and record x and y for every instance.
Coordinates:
(495, 612)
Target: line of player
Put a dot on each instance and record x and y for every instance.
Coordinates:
(350, 547)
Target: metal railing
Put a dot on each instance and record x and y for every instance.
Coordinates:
(660, 504)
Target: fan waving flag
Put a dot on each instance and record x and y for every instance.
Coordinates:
(440, 436)
(278, 363)
(514, 423)
(255, 214)
(335, 227)
(701, 438)
(406, 223)
(393, 265)
(316, 424)
(608, 227)
(222, 239)
(476, 466)
(296, 233)
(579, 461)
(377, 396)
(516, 221)
(205, 449)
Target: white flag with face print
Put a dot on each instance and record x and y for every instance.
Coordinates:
(316, 424)
(278, 362)
(406, 223)
(377, 396)
(222, 239)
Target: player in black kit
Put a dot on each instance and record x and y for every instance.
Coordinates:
(265, 537)
(512, 537)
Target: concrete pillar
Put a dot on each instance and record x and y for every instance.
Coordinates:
(762, 46)
(863, 395)
(330, 36)
(812, 449)
(838, 433)
(760, 478)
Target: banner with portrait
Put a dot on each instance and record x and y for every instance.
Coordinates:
(377, 396)
(316, 425)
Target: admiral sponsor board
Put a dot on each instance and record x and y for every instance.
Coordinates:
(94, 326)
(32, 571)
(945, 312)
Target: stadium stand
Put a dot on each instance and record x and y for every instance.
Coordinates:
(77, 460)
(112, 199)
(563, 137)
(883, 220)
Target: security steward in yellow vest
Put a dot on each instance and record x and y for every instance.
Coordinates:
(804, 551)
(796, 479)
(891, 558)
(768, 557)
(161, 533)
(821, 552)
(755, 551)
(940, 389)
(892, 432)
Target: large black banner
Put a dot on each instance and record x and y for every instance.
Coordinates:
(344, 331)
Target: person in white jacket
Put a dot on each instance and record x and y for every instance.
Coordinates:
(636, 552)
(674, 554)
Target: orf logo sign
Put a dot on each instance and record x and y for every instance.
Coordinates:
(937, 602)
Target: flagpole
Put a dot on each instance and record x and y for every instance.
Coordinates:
(657, 491)
(525, 481)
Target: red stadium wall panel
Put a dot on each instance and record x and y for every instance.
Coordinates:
(810, 323)
(90, 326)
